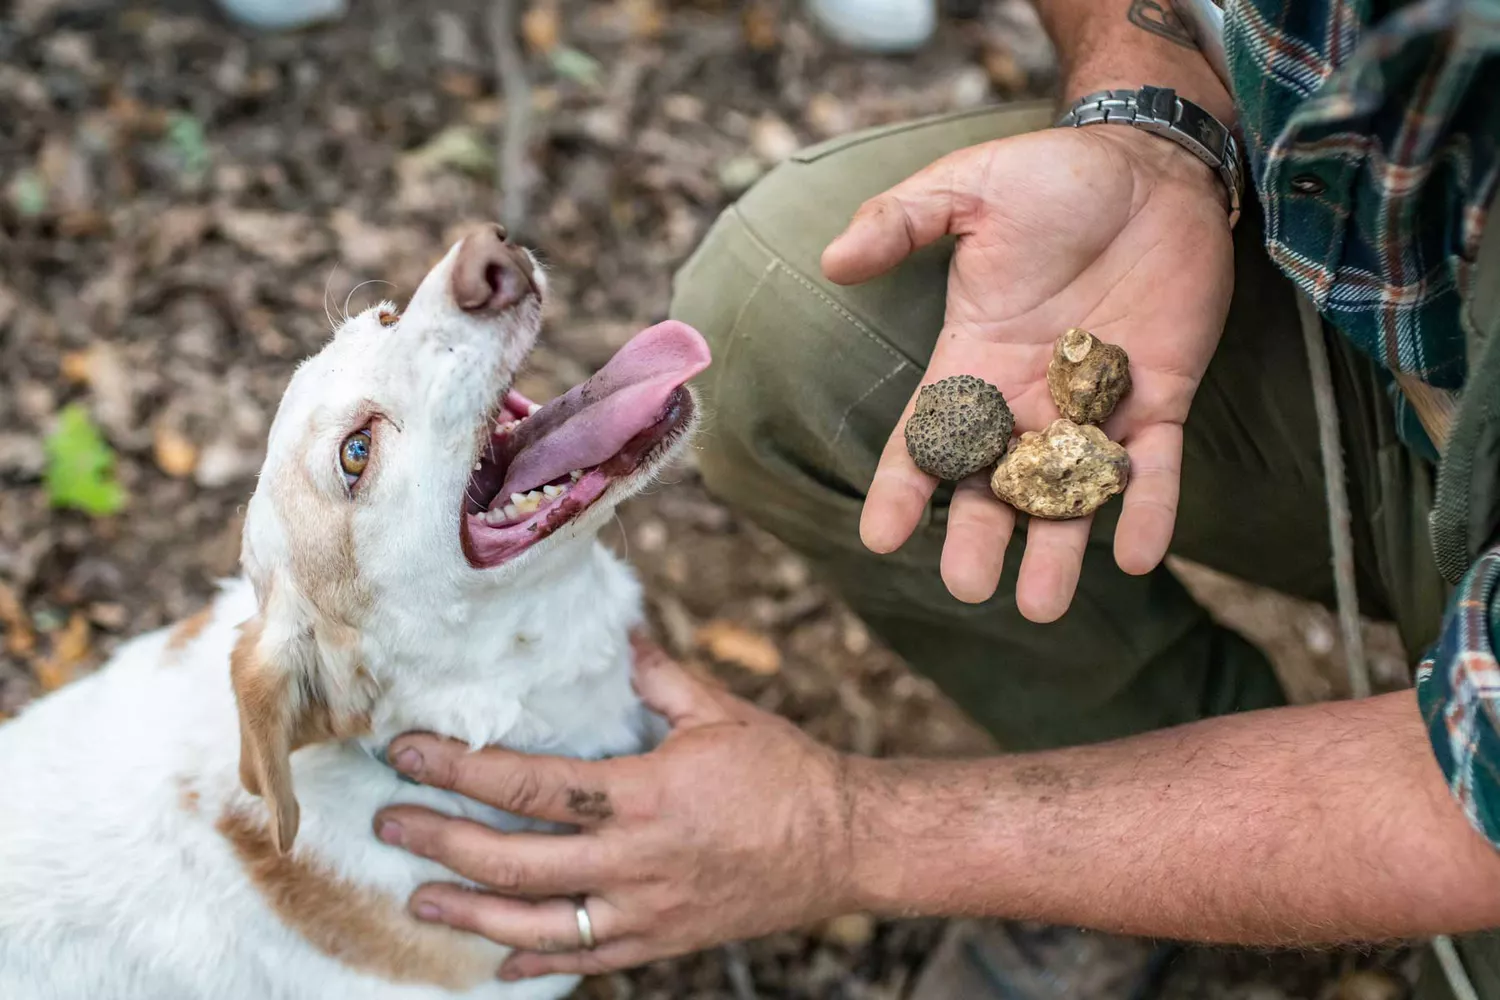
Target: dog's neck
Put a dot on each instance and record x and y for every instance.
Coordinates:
(540, 663)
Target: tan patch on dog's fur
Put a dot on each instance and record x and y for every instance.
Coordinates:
(323, 561)
(189, 629)
(282, 708)
(359, 927)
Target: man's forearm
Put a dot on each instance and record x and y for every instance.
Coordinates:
(1105, 44)
(1303, 825)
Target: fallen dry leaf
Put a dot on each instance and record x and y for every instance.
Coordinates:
(69, 650)
(77, 367)
(773, 139)
(761, 25)
(540, 27)
(1370, 984)
(178, 229)
(729, 642)
(646, 18)
(20, 638)
(1004, 71)
(460, 83)
(284, 238)
(852, 930)
(174, 453)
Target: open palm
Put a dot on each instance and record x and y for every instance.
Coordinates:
(1116, 231)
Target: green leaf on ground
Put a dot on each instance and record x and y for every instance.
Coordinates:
(580, 67)
(80, 466)
(189, 143)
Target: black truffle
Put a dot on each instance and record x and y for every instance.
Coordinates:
(960, 426)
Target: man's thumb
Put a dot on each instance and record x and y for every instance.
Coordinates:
(671, 691)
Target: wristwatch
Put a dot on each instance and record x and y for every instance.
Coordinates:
(1160, 111)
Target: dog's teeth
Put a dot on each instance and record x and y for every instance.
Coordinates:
(511, 513)
(478, 465)
(494, 516)
(517, 499)
(533, 409)
(533, 495)
(576, 475)
(552, 492)
(529, 504)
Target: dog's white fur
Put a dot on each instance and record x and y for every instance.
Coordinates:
(128, 845)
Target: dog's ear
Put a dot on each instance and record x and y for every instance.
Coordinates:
(291, 690)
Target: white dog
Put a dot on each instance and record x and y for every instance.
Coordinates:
(194, 821)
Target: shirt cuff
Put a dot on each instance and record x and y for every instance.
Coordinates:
(1458, 689)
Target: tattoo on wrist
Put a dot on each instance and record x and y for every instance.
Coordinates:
(1157, 17)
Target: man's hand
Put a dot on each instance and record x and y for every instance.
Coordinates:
(1110, 229)
(734, 827)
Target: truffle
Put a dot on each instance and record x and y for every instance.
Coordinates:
(1068, 470)
(960, 426)
(1087, 377)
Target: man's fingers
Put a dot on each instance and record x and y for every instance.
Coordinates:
(672, 692)
(552, 788)
(1050, 566)
(979, 529)
(890, 226)
(1149, 511)
(513, 864)
(549, 925)
(897, 496)
(610, 956)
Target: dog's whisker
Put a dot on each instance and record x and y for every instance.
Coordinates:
(347, 298)
(327, 287)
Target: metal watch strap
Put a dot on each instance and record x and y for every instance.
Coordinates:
(1160, 111)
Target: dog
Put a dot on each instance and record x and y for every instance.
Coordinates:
(419, 553)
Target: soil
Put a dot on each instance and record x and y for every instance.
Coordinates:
(185, 203)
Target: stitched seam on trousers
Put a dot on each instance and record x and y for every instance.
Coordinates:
(844, 417)
(734, 328)
(827, 299)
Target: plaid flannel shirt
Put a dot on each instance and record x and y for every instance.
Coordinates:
(1373, 134)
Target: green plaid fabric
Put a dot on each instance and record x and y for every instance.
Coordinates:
(1458, 687)
(1372, 129)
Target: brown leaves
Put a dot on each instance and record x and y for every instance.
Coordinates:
(285, 238)
(540, 27)
(735, 644)
(71, 647)
(20, 638)
(174, 453)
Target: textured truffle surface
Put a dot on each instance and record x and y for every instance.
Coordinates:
(1087, 377)
(960, 425)
(1068, 470)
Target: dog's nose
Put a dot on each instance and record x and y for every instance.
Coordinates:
(490, 275)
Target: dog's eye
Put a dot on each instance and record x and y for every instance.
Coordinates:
(355, 454)
(388, 318)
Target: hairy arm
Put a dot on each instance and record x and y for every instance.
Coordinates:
(1105, 44)
(1300, 826)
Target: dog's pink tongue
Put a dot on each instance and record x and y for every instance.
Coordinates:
(592, 421)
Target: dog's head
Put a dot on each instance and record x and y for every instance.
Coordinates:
(403, 471)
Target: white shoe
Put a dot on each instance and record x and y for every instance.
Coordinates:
(275, 15)
(877, 25)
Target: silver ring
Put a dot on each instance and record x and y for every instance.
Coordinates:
(585, 927)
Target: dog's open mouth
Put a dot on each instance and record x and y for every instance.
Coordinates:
(543, 466)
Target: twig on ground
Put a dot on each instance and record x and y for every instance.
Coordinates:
(737, 965)
(512, 179)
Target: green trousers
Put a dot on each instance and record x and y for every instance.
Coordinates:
(809, 378)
